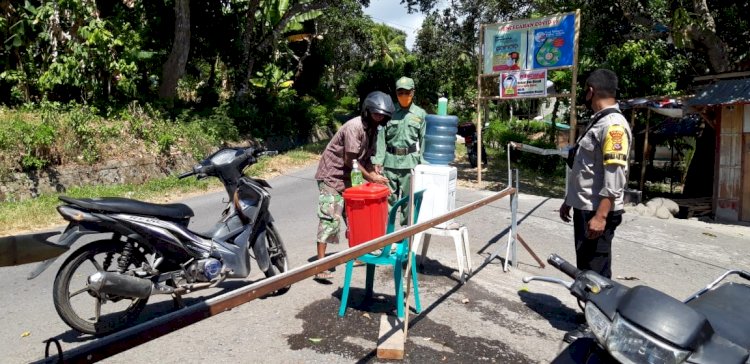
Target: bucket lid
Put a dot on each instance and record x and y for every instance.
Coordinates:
(367, 190)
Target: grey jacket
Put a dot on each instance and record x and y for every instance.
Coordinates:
(600, 168)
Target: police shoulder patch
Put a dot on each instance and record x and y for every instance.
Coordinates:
(615, 146)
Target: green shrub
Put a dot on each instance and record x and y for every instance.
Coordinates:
(349, 104)
(165, 142)
(500, 134)
(541, 163)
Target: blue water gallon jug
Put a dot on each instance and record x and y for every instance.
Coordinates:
(440, 139)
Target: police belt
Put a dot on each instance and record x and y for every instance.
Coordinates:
(402, 151)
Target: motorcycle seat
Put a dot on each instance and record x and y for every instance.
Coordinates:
(175, 211)
(726, 308)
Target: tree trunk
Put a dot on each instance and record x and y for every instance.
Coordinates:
(174, 68)
(255, 42)
(704, 33)
(245, 69)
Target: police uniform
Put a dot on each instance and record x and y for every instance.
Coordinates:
(599, 170)
(399, 146)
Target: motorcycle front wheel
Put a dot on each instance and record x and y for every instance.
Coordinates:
(277, 253)
(83, 309)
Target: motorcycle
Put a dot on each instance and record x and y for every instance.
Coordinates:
(644, 325)
(468, 131)
(103, 286)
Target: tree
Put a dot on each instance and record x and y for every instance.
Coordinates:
(688, 27)
(174, 67)
(265, 23)
(446, 60)
(345, 46)
(389, 45)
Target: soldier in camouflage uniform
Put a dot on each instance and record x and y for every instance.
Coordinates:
(400, 143)
(354, 140)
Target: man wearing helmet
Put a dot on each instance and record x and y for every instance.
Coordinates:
(356, 139)
(400, 143)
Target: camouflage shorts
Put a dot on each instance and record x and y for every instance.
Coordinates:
(330, 213)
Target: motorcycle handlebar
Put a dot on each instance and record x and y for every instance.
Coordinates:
(563, 265)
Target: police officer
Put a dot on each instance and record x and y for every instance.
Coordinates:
(597, 179)
(400, 143)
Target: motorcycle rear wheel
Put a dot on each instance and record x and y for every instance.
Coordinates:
(277, 253)
(70, 298)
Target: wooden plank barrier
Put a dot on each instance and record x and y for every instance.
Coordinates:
(131, 337)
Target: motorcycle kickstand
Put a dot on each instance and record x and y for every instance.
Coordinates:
(178, 302)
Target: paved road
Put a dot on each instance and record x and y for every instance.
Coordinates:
(492, 318)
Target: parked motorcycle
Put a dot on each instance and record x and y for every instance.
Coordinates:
(644, 325)
(468, 131)
(103, 286)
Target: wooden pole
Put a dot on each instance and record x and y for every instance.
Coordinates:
(479, 105)
(574, 82)
(645, 150)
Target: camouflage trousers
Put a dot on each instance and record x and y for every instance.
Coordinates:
(331, 213)
(399, 181)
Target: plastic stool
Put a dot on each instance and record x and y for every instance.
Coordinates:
(460, 237)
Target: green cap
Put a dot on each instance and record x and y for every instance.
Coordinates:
(405, 83)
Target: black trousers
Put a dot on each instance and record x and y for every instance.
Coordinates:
(595, 254)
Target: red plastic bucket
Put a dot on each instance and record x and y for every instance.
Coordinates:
(366, 212)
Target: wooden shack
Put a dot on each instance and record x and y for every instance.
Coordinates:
(724, 104)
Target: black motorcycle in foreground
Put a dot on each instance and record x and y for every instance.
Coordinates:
(644, 325)
(468, 131)
(103, 286)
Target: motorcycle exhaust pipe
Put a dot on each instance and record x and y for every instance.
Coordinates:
(124, 285)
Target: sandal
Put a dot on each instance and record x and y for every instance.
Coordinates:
(323, 276)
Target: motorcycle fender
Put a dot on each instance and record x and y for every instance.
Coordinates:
(261, 252)
(70, 236)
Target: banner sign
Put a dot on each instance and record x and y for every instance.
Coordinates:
(528, 44)
(519, 84)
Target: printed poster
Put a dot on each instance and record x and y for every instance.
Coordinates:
(520, 84)
(528, 44)
(508, 51)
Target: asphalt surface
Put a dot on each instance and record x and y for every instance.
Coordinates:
(494, 317)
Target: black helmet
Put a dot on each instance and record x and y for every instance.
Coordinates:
(379, 103)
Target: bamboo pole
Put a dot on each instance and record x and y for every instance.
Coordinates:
(574, 81)
(645, 150)
(124, 340)
(479, 105)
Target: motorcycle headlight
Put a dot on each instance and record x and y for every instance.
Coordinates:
(598, 322)
(629, 344)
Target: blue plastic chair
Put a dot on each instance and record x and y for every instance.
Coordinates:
(396, 259)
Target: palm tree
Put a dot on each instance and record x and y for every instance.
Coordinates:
(389, 45)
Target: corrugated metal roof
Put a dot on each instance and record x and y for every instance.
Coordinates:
(723, 92)
(673, 127)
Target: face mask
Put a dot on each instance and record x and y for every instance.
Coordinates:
(376, 123)
(404, 100)
(589, 101)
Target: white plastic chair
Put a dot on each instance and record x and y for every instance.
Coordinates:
(460, 236)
